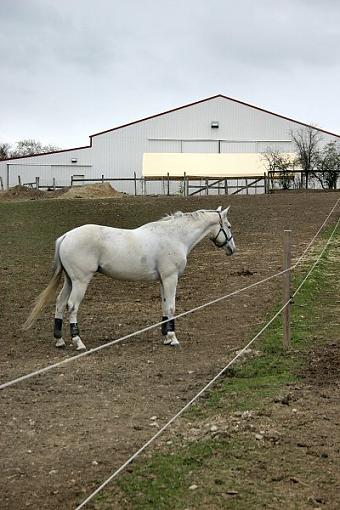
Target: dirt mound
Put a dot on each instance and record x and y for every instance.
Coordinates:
(21, 193)
(100, 190)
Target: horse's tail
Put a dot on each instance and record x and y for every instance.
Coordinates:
(49, 293)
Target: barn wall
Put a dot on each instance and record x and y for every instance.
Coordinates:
(241, 129)
(119, 152)
(47, 166)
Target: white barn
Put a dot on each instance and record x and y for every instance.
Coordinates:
(216, 125)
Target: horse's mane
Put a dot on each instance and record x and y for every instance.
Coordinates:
(184, 215)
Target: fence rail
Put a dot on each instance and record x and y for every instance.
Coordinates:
(56, 176)
(167, 185)
(296, 179)
(185, 185)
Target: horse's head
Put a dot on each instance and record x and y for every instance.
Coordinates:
(223, 236)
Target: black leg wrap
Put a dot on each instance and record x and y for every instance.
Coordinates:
(168, 326)
(58, 326)
(74, 329)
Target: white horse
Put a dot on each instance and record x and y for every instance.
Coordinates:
(155, 251)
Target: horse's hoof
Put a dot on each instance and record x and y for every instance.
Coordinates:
(174, 343)
(171, 341)
(60, 343)
(78, 344)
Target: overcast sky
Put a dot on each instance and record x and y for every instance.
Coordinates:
(71, 68)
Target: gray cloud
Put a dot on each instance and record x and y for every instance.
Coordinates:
(71, 68)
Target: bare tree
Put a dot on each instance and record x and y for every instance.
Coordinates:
(307, 141)
(327, 170)
(280, 166)
(29, 147)
(5, 149)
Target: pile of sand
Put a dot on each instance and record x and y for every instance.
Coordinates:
(100, 190)
(22, 193)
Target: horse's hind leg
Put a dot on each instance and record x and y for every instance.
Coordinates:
(168, 295)
(76, 297)
(59, 312)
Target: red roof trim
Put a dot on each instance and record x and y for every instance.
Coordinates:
(51, 152)
(208, 99)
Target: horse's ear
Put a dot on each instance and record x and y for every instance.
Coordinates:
(226, 210)
(219, 209)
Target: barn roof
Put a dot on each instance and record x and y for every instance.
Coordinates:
(174, 110)
(209, 99)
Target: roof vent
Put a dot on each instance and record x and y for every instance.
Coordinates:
(215, 124)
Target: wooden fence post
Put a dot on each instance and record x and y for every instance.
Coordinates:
(184, 179)
(286, 289)
(168, 183)
(7, 176)
(53, 183)
(37, 182)
(226, 186)
(135, 182)
(19, 180)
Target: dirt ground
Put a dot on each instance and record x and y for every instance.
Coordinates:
(64, 432)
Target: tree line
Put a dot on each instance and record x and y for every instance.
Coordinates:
(27, 147)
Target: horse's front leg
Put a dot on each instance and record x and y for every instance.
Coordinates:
(168, 295)
(76, 296)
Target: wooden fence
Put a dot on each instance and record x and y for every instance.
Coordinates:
(169, 185)
(188, 186)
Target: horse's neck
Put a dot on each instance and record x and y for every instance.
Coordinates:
(193, 230)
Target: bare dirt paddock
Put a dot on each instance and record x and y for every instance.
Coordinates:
(64, 432)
